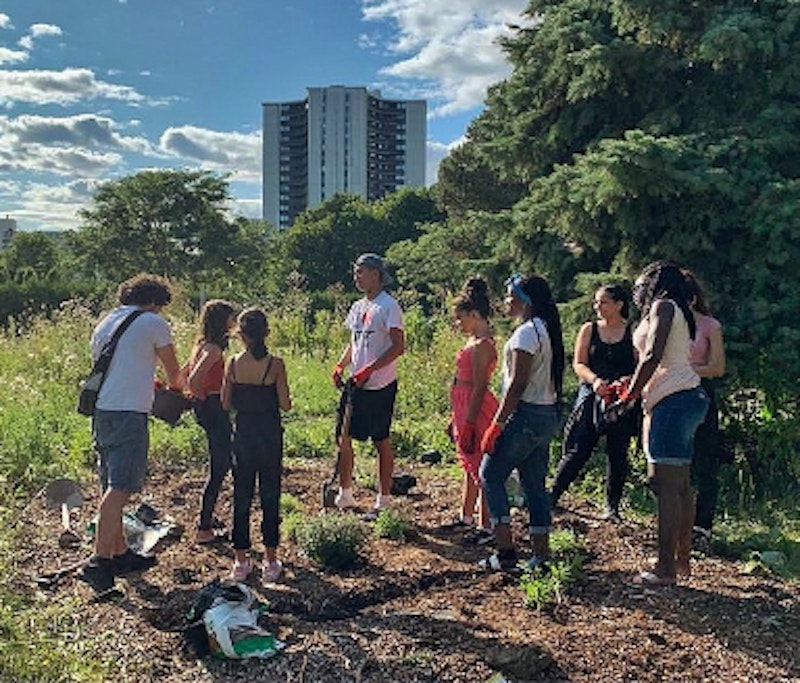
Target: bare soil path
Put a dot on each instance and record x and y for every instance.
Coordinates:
(422, 611)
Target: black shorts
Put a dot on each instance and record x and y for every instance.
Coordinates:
(372, 412)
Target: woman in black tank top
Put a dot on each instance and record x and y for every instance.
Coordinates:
(255, 386)
(604, 353)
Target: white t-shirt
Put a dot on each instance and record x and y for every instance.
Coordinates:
(369, 323)
(532, 337)
(129, 380)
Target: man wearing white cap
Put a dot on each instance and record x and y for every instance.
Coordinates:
(376, 342)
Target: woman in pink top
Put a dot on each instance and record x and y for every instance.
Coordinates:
(473, 404)
(674, 405)
(708, 359)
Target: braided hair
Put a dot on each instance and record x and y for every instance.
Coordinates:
(254, 328)
(664, 280)
(542, 305)
(474, 296)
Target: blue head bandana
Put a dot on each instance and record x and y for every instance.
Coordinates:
(515, 283)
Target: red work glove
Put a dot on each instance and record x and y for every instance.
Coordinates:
(361, 377)
(336, 375)
(490, 437)
(466, 437)
(625, 394)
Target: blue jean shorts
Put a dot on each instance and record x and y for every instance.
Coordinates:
(673, 423)
(121, 439)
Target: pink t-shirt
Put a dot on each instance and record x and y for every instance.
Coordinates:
(701, 345)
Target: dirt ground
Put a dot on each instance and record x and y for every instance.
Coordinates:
(423, 611)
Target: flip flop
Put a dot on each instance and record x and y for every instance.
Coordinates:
(647, 578)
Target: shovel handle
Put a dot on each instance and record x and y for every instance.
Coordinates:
(65, 516)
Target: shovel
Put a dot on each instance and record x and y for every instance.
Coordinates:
(330, 487)
(65, 494)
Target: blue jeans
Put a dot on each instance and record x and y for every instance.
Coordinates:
(673, 423)
(524, 445)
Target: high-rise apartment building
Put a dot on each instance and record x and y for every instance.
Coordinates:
(8, 228)
(339, 139)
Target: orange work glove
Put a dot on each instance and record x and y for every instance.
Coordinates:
(490, 436)
(336, 375)
(361, 377)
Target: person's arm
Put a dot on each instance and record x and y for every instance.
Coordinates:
(227, 385)
(282, 386)
(395, 350)
(341, 364)
(482, 356)
(521, 363)
(580, 361)
(166, 354)
(207, 356)
(661, 316)
(715, 365)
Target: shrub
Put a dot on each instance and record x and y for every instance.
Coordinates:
(546, 585)
(332, 540)
(392, 525)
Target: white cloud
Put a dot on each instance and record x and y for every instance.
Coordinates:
(85, 145)
(64, 88)
(449, 48)
(5, 21)
(52, 207)
(37, 31)
(235, 153)
(9, 56)
(435, 152)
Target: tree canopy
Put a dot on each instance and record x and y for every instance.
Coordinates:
(648, 129)
(171, 222)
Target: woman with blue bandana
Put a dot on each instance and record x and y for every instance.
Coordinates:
(519, 437)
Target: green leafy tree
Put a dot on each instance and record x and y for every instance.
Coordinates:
(658, 129)
(172, 222)
(31, 256)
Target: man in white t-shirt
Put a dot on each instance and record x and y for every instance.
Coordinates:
(376, 342)
(119, 424)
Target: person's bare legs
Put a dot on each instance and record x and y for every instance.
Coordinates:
(684, 545)
(469, 496)
(385, 466)
(483, 511)
(110, 536)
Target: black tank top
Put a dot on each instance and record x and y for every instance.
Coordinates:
(611, 361)
(255, 398)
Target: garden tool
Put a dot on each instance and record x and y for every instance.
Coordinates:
(330, 487)
(64, 495)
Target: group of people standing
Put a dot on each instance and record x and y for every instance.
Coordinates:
(654, 381)
(658, 366)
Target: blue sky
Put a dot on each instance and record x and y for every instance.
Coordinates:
(92, 90)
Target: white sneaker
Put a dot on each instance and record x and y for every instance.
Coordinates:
(344, 499)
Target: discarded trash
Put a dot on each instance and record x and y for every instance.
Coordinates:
(402, 483)
(142, 536)
(432, 457)
(229, 613)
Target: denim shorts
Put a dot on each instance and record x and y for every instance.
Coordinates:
(673, 423)
(121, 439)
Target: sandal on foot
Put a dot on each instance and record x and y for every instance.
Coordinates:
(652, 579)
(500, 562)
(271, 571)
(241, 570)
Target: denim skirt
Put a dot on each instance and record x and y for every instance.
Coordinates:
(673, 423)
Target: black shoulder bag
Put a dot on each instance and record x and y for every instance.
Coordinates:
(90, 387)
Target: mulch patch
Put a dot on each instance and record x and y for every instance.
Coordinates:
(421, 610)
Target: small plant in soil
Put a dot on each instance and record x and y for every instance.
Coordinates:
(392, 525)
(331, 540)
(546, 585)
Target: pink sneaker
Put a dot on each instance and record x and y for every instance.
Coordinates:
(271, 571)
(241, 570)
